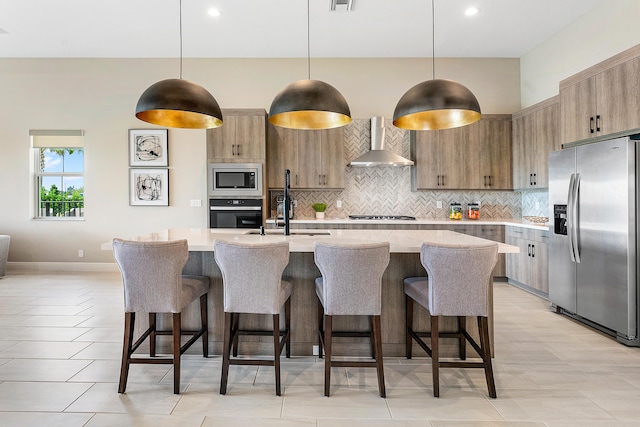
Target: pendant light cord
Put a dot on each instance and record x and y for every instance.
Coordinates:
(180, 39)
(433, 39)
(308, 43)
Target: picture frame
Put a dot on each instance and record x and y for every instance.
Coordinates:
(148, 148)
(148, 187)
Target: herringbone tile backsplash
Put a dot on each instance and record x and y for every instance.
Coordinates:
(385, 190)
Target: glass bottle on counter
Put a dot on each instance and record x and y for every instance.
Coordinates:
(455, 211)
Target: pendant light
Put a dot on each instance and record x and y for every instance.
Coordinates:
(309, 104)
(179, 103)
(437, 103)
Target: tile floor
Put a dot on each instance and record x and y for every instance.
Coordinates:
(60, 343)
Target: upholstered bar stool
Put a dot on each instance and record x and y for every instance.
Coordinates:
(252, 281)
(153, 283)
(457, 284)
(351, 284)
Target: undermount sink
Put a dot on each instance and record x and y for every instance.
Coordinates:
(275, 231)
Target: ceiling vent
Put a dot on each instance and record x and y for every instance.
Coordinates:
(342, 5)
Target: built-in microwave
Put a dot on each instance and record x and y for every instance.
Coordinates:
(235, 179)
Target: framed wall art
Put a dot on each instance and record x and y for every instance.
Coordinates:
(148, 187)
(148, 148)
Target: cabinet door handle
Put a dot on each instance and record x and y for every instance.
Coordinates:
(485, 180)
(528, 249)
(297, 179)
(598, 123)
(237, 149)
(530, 179)
(490, 183)
(591, 124)
(535, 179)
(533, 251)
(443, 180)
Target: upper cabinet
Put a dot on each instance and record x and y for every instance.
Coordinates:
(241, 138)
(489, 167)
(477, 156)
(314, 157)
(535, 134)
(602, 100)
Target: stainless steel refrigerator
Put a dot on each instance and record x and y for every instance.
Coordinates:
(593, 260)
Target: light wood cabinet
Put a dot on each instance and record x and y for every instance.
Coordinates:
(602, 100)
(489, 154)
(529, 268)
(314, 157)
(241, 138)
(535, 134)
(477, 156)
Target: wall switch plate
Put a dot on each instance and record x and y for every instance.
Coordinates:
(80, 253)
(439, 204)
(316, 350)
(339, 203)
(196, 203)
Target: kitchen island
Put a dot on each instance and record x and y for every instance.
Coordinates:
(404, 262)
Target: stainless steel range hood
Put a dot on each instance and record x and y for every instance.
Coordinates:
(378, 156)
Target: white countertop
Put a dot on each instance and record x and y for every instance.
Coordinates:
(515, 222)
(401, 241)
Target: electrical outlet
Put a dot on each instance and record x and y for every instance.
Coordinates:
(339, 204)
(439, 204)
(196, 203)
(80, 253)
(295, 203)
(316, 350)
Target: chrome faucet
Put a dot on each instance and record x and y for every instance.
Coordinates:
(286, 201)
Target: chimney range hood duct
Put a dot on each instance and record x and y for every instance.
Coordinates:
(378, 156)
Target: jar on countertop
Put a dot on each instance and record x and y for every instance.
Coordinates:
(455, 211)
(473, 211)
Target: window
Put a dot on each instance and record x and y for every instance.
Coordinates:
(58, 157)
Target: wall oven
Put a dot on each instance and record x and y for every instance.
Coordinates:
(235, 213)
(234, 179)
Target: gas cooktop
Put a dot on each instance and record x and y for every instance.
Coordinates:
(384, 217)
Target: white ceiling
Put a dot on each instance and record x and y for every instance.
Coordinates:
(278, 28)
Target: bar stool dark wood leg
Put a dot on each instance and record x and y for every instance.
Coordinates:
(327, 355)
(129, 322)
(276, 351)
(462, 341)
(287, 326)
(376, 338)
(408, 303)
(483, 327)
(226, 353)
(152, 335)
(204, 313)
(435, 363)
(320, 328)
(177, 328)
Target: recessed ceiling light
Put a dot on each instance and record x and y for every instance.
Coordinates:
(471, 11)
(214, 12)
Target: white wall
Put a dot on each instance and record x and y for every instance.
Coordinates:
(608, 29)
(99, 96)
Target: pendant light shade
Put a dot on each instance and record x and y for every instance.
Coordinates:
(309, 104)
(436, 104)
(179, 103)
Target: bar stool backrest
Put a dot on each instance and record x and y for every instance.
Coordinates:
(252, 275)
(152, 275)
(459, 277)
(352, 277)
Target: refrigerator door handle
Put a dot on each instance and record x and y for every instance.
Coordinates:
(576, 212)
(569, 222)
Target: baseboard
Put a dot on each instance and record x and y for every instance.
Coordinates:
(62, 266)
